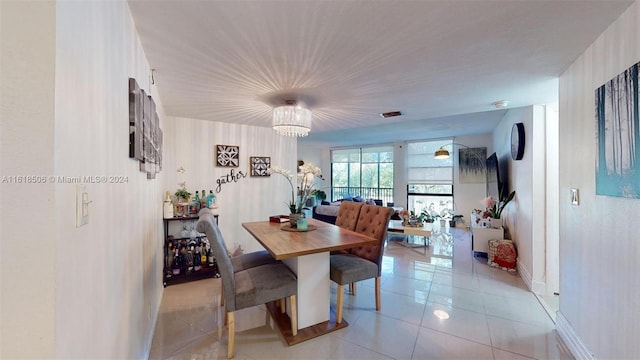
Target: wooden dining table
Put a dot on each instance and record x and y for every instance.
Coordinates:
(307, 253)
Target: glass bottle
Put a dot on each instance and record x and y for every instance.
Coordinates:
(175, 267)
(210, 256)
(203, 200)
(197, 260)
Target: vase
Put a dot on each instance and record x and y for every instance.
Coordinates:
(293, 220)
(495, 223)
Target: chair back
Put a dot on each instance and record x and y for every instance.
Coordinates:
(374, 222)
(348, 214)
(206, 224)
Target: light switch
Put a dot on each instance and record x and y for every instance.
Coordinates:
(575, 197)
(82, 205)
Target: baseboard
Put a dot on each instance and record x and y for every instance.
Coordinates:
(524, 274)
(571, 339)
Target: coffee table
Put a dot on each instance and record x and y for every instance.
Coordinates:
(395, 226)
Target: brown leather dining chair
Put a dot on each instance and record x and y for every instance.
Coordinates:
(250, 287)
(348, 214)
(363, 262)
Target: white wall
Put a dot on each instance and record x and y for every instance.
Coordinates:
(191, 144)
(468, 196)
(93, 291)
(525, 216)
(108, 273)
(599, 243)
(28, 244)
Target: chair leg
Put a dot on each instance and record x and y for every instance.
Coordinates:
(352, 288)
(378, 293)
(294, 315)
(232, 335)
(339, 301)
(283, 305)
(226, 319)
(221, 293)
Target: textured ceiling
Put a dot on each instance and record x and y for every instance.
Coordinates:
(442, 63)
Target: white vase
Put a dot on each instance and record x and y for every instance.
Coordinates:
(496, 223)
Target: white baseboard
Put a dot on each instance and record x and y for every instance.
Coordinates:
(524, 274)
(571, 339)
(534, 286)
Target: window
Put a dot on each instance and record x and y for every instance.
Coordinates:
(430, 180)
(365, 172)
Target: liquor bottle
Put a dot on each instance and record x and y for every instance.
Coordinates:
(210, 256)
(167, 206)
(197, 260)
(203, 200)
(203, 255)
(194, 207)
(211, 199)
(190, 259)
(175, 267)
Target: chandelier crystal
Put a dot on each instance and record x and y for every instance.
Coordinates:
(292, 120)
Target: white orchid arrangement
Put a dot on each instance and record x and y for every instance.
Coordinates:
(305, 184)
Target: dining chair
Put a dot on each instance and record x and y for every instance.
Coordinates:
(363, 262)
(348, 214)
(243, 261)
(250, 287)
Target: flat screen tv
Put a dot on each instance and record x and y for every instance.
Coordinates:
(496, 186)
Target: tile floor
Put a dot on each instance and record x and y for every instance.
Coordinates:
(491, 315)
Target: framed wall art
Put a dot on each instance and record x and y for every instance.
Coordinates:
(471, 164)
(227, 155)
(259, 165)
(145, 135)
(618, 135)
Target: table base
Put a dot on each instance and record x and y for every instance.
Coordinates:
(403, 239)
(284, 324)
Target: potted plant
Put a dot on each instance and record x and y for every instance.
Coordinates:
(455, 219)
(182, 195)
(319, 194)
(425, 216)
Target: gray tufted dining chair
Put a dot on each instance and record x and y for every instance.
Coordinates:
(250, 287)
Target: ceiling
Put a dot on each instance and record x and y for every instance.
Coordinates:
(441, 63)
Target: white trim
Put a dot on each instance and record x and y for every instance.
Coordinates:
(524, 274)
(571, 339)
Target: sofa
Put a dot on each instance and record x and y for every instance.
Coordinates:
(328, 212)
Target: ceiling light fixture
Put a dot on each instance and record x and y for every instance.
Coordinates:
(292, 119)
(501, 104)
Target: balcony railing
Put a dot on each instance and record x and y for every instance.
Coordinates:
(384, 194)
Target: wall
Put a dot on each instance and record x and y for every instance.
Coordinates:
(468, 196)
(524, 217)
(599, 247)
(26, 210)
(108, 273)
(191, 144)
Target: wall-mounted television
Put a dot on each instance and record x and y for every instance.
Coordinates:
(496, 184)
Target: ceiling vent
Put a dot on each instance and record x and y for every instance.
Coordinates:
(391, 114)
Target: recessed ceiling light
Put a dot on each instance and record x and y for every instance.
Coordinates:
(501, 104)
(391, 114)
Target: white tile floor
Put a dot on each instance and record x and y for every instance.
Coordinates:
(491, 315)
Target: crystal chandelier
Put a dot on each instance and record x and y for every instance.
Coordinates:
(292, 119)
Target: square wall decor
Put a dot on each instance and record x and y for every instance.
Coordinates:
(259, 165)
(227, 155)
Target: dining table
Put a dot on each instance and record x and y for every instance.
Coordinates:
(307, 254)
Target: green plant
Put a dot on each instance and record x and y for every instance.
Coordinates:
(425, 216)
(319, 194)
(494, 209)
(182, 193)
